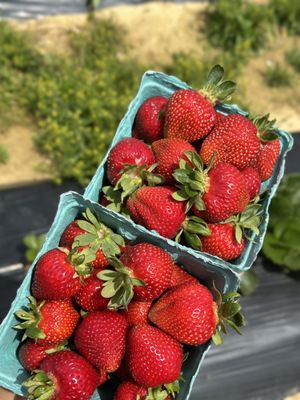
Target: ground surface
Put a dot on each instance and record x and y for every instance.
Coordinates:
(154, 32)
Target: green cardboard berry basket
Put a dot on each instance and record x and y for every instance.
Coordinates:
(71, 205)
(159, 84)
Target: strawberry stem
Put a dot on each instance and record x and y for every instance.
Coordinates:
(31, 317)
(216, 89)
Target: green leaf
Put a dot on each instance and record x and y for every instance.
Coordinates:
(217, 338)
(181, 176)
(84, 239)
(199, 203)
(108, 290)
(192, 240)
(225, 89)
(238, 233)
(86, 226)
(230, 309)
(180, 195)
(91, 217)
(215, 75)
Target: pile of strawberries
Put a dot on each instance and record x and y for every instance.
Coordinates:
(127, 311)
(193, 174)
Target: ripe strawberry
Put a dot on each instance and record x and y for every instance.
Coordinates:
(222, 242)
(180, 276)
(154, 208)
(63, 376)
(252, 181)
(189, 314)
(89, 296)
(90, 233)
(130, 391)
(153, 357)
(168, 153)
(219, 116)
(143, 271)
(149, 120)
(234, 141)
(48, 322)
(100, 338)
(128, 151)
(31, 354)
(216, 193)
(137, 312)
(226, 240)
(190, 115)
(268, 155)
(58, 274)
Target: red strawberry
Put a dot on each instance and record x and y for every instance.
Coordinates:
(168, 153)
(153, 357)
(180, 276)
(190, 115)
(188, 313)
(130, 391)
(216, 193)
(128, 151)
(149, 120)
(143, 271)
(31, 354)
(252, 181)
(226, 240)
(57, 275)
(220, 117)
(100, 338)
(63, 376)
(154, 208)
(91, 233)
(222, 242)
(48, 322)
(234, 141)
(89, 296)
(137, 312)
(268, 155)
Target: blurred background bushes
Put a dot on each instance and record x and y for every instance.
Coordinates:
(78, 99)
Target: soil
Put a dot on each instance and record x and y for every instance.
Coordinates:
(154, 31)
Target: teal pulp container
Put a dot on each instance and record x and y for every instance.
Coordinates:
(159, 84)
(71, 205)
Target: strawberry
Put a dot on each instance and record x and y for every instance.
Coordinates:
(100, 338)
(137, 312)
(268, 155)
(149, 120)
(128, 151)
(63, 376)
(143, 271)
(130, 391)
(190, 115)
(226, 240)
(31, 354)
(58, 274)
(90, 233)
(216, 193)
(167, 153)
(189, 314)
(180, 276)
(252, 179)
(89, 296)
(233, 140)
(153, 357)
(48, 322)
(154, 208)
(219, 116)
(222, 242)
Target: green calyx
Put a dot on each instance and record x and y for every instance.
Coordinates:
(98, 236)
(190, 230)
(133, 177)
(249, 219)
(229, 314)
(39, 386)
(113, 196)
(31, 319)
(163, 391)
(217, 89)
(265, 127)
(193, 181)
(60, 347)
(118, 286)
